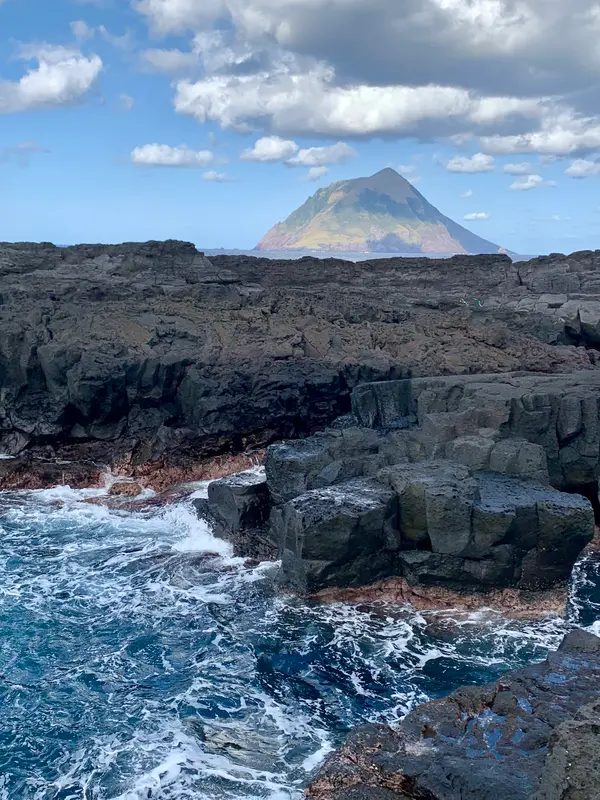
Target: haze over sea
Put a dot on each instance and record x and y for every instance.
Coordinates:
(291, 254)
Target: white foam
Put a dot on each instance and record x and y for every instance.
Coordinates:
(197, 534)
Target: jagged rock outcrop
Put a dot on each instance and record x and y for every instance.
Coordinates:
(532, 735)
(471, 483)
(150, 351)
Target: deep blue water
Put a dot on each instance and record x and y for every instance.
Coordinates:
(137, 663)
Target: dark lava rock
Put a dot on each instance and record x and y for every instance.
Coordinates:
(337, 536)
(151, 352)
(237, 509)
(240, 501)
(532, 734)
(433, 522)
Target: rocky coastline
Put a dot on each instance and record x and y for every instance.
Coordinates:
(150, 353)
(429, 429)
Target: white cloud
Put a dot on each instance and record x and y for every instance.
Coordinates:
(127, 102)
(320, 156)
(476, 163)
(521, 73)
(528, 182)
(176, 16)
(524, 168)
(163, 155)
(63, 76)
(81, 30)
(171, 62)
(316, 173)
(122, 42)
(466, 195)
(562, 136)
(270, 148)
(291, 100)
(217, 177)
(477, 215)
(580, 168)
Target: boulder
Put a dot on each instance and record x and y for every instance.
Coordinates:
(344, 535)
(239, 501)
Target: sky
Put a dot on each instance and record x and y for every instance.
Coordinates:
(211, 120)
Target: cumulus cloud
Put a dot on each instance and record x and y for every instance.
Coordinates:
(217, 177)
(528, 182)
(177, 16)
(290, 99)
(565, 136)
(580, 168)
(163, 155)
(477, 215)
(270, 148)
(316, 173)
(466, 195)
(531, 47)
(476, 163)
(320, 156)
(521, 74)
(524, 168)
(62, 77)
(170, 62)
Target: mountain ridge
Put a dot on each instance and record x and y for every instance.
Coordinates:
(380, 213)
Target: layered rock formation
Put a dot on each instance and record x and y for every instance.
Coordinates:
(152, 352)
(469, 482)
(532, 735)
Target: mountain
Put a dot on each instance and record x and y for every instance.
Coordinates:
(383, 213)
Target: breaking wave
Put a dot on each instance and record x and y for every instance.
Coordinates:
(139, 659)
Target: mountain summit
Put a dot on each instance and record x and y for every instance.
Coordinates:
(380, 214)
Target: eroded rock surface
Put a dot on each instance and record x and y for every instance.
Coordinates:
(467, 482)
(532, 735)
(151, 352)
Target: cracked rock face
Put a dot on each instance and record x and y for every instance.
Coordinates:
(152, 352)
(532, 735)
(429, 495)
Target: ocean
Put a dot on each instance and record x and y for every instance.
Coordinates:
(287, 254)
(139, 659)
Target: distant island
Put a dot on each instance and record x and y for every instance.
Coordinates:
(380, 214)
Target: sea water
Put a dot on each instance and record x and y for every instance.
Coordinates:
(139, 659)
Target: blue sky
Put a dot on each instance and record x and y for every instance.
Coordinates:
(210, 120)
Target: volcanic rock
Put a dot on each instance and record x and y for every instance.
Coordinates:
(531, 734)
(151, 353)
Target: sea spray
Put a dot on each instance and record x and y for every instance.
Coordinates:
(139, 660)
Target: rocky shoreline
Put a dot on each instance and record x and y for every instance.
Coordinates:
(432, 435)
(532, 735)
(147, 353)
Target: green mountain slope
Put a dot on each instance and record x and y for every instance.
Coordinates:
(383, 213)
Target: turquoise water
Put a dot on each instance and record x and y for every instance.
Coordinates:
(138, 659)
